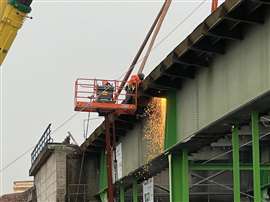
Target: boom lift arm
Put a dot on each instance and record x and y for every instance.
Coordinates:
(12, 16)
(214, 5)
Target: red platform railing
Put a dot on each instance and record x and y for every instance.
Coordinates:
(97, 95)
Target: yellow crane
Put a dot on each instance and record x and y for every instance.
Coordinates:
(12, 16)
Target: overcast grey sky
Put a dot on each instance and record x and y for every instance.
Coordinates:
(64, 41)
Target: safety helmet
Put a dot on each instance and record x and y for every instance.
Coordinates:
(105, 82)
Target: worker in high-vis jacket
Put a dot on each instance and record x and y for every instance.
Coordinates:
(105, 92)
(12, 16)
(134, 81)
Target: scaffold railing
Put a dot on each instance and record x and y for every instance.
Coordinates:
(77, 192)
(97, 95)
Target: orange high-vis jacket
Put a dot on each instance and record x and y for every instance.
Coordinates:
(134, 79)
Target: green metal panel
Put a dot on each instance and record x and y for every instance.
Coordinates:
(232, 80)
(236, 165)
(179, 177)
(265, 174)
(171, 121)
(134, 191)
(122, 193)
(256, 156)
(265, 178)
(103, 173)
(103, 196)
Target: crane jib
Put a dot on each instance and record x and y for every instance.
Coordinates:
(12, 16)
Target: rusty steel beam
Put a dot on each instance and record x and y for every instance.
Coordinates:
(159, 24)
(214, 5)
(137, 56)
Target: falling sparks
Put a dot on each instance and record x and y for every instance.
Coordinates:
(154, 127)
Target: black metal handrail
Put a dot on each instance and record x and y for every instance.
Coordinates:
(43, 141)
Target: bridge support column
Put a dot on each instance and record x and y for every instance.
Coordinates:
(236, 165)
(171, 120)
(179, 176)
(256, 156)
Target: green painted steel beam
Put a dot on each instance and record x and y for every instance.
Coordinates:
(103, 185)
(103, 173)
(256, 156)
(134, 191)
(224, 166)
(122, 193)
(184, 193)
(171, 120)
(236, 165)
(179, 176)
(265, 178)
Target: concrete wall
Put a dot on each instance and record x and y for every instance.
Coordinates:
(50, 179)
(45, 181)
(233, 80)
(61, 175)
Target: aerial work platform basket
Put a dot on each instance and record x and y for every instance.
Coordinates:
(97, 95)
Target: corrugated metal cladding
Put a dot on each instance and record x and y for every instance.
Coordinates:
(232, 80)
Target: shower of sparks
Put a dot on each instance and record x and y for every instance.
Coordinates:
(154, 127)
